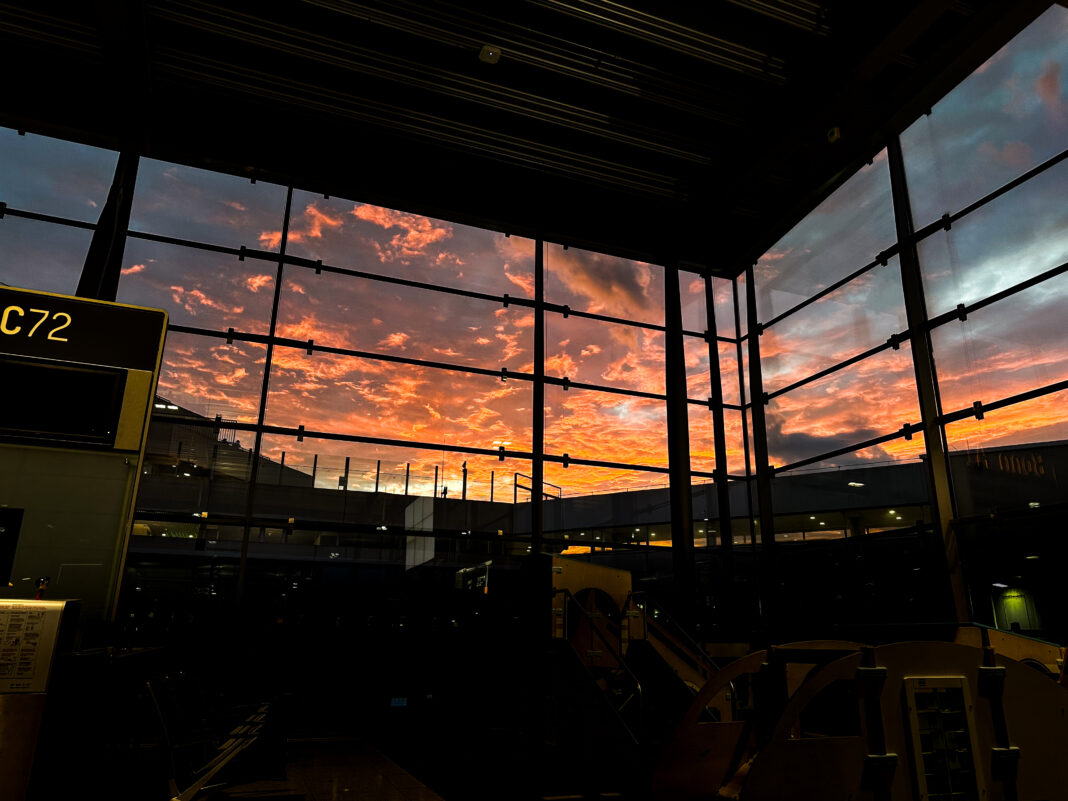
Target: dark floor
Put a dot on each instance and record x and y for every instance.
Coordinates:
(333, 770)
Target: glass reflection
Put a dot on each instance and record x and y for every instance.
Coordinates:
(204, 206)
(52, 176)
(1009, 347)
(845, 232)
(862, 314)
(1008, 116)
(42, 256)
(1021, 234)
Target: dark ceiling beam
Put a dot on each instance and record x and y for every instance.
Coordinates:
(672, 36)
(409, 72)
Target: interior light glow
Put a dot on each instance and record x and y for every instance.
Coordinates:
(1031, 557)
(1034, 504)
(1002, 586)
(855, 484)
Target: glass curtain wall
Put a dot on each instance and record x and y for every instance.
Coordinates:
(329, 362)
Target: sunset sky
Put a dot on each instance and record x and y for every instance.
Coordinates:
(1009, 116)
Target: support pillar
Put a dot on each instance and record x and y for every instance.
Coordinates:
(678, 440)
(926, 379)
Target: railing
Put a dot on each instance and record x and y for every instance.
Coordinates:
(530, 489)
(644, 602)
(614, 653)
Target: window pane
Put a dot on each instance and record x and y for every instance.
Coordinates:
(1042, 419)
(600, 284)
(874, 397)
(598, 425)
(1009, 347)
(51, 176)
(1004, 119)
(1019, 235)
(358, 236)
(197, 287)
(862, 493)
(361, 314)
(193, 469)
(862, 314)
(703, 444)
(845, 232)
(210, 207)
(692, 295)
(599, 488)
(1012, 458)
(697, 370)
(313, 484)
(44, 256)
(607, 354)
(317, 469)
(207, 377)
(723, 298)
(367, 397)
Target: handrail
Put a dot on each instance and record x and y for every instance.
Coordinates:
(676, 628)
(612, 651)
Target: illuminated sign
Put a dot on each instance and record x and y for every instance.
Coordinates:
(47, 326)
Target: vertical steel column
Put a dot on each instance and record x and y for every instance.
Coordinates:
(715, 399)
(537, 480)
(103, 261)
(745, 416)
(768, 574)
(242, 568)
(926, 379)
(680, 491)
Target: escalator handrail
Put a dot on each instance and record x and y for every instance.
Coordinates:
(676, 628)
(568, 597)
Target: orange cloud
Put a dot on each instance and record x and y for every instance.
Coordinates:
(133, 269)
(192, 299)
(394, 340)
(417, 232)
(255, 283)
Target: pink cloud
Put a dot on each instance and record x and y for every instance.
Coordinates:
(1048, 86)
(394, 340)
(133, 269)
(417, 232)
(1011, 154)
(192, 299)
(257, 282)
(524, 281)
(312, 225)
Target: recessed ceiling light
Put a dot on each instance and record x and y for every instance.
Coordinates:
(855, 484)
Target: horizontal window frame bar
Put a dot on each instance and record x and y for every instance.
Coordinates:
(908, 428)
(737, 407)
(303, 345)
(947, 220)
(1002, 403)
(8, 211)
(897, 339)
(303, 434)
(882, 260)
(965, 310)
